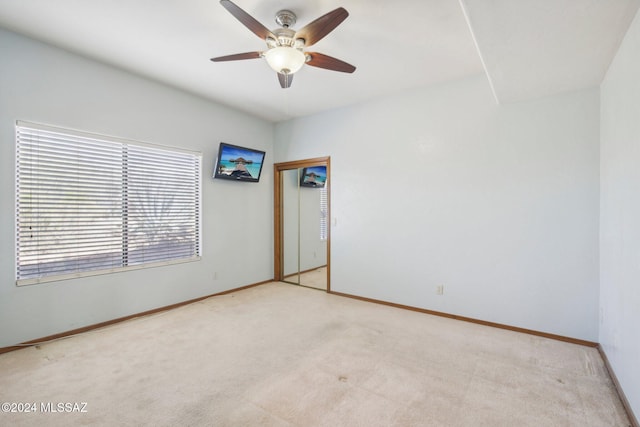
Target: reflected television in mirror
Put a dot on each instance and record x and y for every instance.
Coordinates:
(314, 176)
(238, 163)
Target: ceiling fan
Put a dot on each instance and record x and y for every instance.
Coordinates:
(285, 53)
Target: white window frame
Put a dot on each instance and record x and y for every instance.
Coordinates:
(138, 179)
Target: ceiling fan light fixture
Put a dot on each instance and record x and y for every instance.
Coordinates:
(285, 46)
(285, 59)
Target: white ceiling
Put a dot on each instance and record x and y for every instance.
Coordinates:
(535, 48)
(528, 48)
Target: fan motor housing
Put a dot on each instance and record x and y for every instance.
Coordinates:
(285, 18)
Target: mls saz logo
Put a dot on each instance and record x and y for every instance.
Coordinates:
(63, 407)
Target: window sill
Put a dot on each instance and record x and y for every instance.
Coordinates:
(56, 278)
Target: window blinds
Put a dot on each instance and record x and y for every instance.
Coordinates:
(91, 204)
(323, 213)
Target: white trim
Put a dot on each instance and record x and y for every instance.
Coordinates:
(475, 42)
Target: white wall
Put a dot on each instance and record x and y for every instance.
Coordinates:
(620, 215)
(42, 84)
(441, 186)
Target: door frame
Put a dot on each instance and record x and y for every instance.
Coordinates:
(278, 217)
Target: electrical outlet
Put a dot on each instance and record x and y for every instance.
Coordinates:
(440, 290)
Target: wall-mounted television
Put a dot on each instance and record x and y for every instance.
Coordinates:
(238, 163)
(314, 176)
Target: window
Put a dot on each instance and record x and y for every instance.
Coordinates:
(323, 213)
(90, 204)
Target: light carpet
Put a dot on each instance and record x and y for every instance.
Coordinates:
(284, 355)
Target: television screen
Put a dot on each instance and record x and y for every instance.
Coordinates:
(315, 176)
(238, 163)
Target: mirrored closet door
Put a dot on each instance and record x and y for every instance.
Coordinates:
(302, 226)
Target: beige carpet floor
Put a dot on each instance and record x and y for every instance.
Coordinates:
(284, 355)
(316, 278)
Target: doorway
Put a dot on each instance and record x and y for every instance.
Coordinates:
(302, 223)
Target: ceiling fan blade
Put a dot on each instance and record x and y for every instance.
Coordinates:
(238, 56)
(321, 60)
(316, 30)
(247, 20)
(285, 80)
